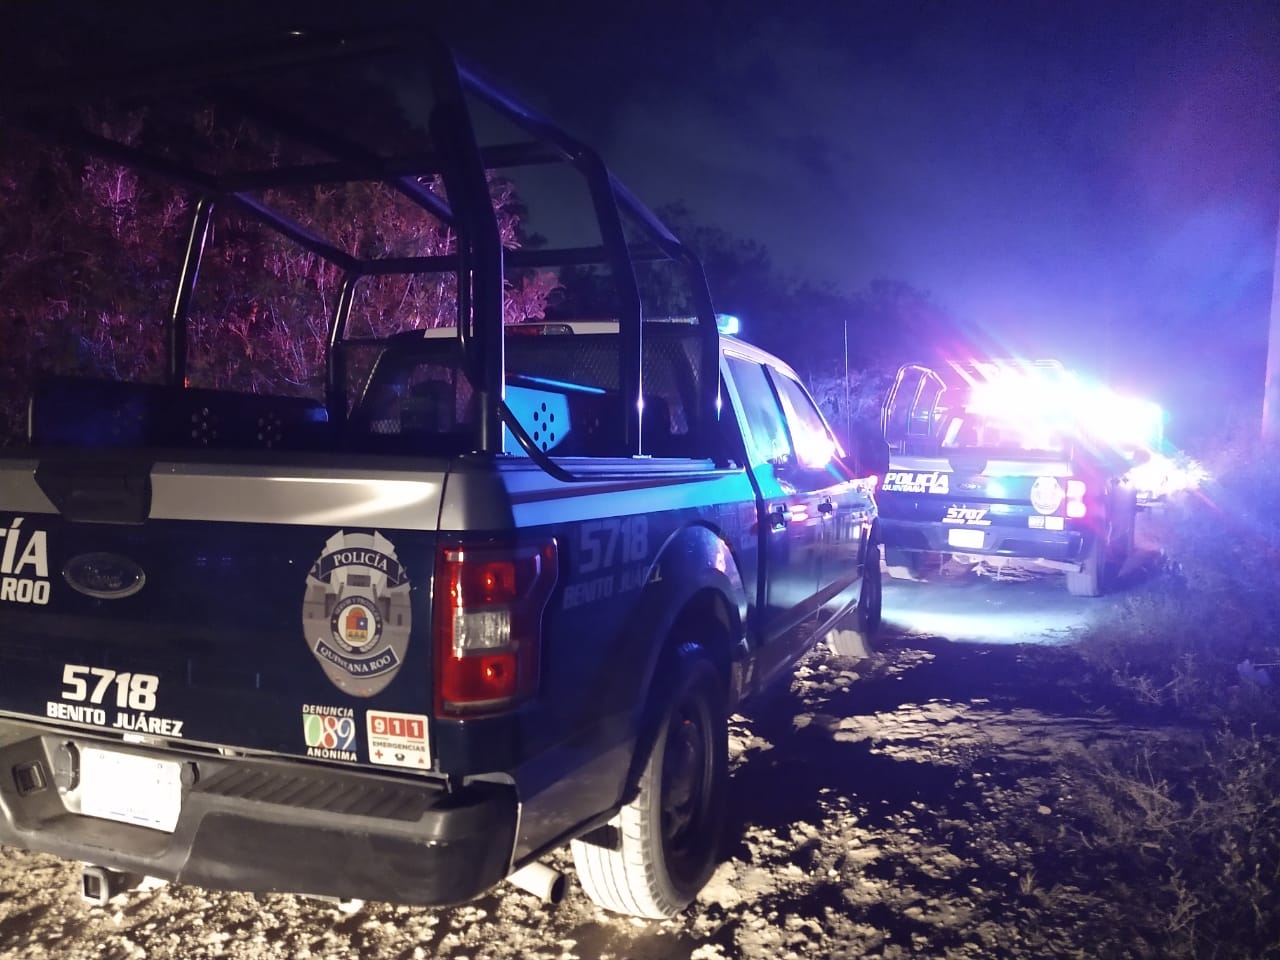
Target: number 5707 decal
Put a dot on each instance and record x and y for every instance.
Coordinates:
(973, 515)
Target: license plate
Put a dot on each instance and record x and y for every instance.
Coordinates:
(968, 539)
(130, 789)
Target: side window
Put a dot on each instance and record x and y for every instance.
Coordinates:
(766, 429)
(416, 398)
(813, 443)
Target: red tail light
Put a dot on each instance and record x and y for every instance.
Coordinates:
(488, 624)
(1075, 498)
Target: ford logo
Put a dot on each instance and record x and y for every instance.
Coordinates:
(106, 576)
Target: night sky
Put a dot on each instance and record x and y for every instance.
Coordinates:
(1100, 179)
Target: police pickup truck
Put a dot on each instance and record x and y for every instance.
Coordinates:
(1008, 463)
(493, 588)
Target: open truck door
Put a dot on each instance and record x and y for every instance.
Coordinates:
(908, 417)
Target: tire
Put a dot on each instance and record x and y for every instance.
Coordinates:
(1124, 546)
(668, 837)
(1087, 582)
(859, 639)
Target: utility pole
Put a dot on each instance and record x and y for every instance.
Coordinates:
(1271, 386)
(849, 406)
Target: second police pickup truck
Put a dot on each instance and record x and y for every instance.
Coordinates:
(1010, 463)
(488, 590)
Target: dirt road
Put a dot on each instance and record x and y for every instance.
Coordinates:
(884, 808)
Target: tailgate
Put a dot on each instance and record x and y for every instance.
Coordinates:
(967, 493)
(246, 612)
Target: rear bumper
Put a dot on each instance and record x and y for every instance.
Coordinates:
(268, 826)
(1058, 546)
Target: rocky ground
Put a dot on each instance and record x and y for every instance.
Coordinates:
(912, 805)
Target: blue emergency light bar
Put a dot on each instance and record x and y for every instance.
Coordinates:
(728, 324)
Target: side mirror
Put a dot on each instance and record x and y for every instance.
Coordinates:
(870, 451)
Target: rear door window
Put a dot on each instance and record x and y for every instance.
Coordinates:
(809, 435)
(766, 429)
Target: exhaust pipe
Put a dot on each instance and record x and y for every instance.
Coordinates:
(350, 906)
(545, 883)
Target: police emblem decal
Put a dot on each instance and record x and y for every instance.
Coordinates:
(355, 613)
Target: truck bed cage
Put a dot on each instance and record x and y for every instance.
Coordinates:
(48, 97)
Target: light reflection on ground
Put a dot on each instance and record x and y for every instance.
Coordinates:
(979, 609)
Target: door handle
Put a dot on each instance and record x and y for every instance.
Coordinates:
(778, 517)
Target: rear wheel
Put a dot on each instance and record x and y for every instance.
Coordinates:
(858, 639)
(1124, 540)
(1106, 556)
(661, 847)
(1087, 581)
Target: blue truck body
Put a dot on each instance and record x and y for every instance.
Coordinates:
(492, 590)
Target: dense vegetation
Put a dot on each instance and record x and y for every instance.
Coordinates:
(1181, 825)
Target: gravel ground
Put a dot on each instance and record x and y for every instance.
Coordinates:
(902, 806)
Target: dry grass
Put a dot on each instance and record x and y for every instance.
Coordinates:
(1185, 830)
